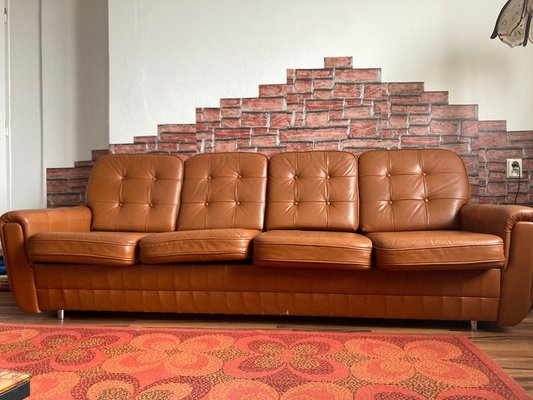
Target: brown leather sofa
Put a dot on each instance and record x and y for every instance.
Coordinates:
(388, 235)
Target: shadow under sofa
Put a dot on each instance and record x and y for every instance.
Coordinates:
(389, 234)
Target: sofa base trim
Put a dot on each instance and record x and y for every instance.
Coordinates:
(272, 303)
(243, 276)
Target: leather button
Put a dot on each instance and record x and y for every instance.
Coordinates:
(238, 203)
(154, 178)
(390, 202)
(388, 175)
(295, 203)
(426, 200)
(206, 204)
(151, 205)
(239, 176)
(295, 177)
(208, 177)
(120, 204)
(423, 174)
(327, 177)
(328, 203)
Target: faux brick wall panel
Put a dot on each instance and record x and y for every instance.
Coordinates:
(337, 107)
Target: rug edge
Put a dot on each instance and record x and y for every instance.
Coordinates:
(493, 365)
(263, 330)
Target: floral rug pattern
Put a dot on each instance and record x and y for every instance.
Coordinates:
(170, 364)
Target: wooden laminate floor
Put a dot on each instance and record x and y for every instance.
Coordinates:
(511, 347)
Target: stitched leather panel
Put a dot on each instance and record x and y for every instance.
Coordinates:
(313, 190)
(261, 303)
(135, 193)
(312, 249)
(436, 250)
(411, 190)
(224, 190)
(242, 276)
(195, 246)
(98, 248)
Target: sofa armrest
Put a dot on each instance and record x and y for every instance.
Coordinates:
(514, 224)
(493, 218)
(16, 227)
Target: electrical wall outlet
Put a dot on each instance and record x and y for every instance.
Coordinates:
(514, 168)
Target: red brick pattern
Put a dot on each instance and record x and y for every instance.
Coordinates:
(336, 108)
(66, 186)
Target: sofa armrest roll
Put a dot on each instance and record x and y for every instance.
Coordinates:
(514, 224)
(16, 227)
(494, 219)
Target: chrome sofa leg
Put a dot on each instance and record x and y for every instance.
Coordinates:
(60, 315)
(473, 326)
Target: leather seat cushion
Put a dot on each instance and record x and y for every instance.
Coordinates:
(312, 249)
(197, 245)
(436, 250)
(98, 248)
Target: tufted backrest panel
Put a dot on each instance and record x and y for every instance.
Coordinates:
(411, 189)
(224, 190)
(315, 190)
(135, 193)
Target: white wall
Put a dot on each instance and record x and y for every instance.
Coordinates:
(168, 57)
(59, 89)
(26, 122)
(75, 80)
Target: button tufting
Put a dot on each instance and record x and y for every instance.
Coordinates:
(390, 202)
(423, 174)
(328, 203)
(151, 205)
(388, 175)
(238, 203)
(327, 177)
(295, 177)
(295, 203)
(239, 176)
(120, 204)
(209, 177)
(206, 203)
(426, 200)
(154, 178)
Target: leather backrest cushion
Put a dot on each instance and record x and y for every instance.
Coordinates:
(135, 193)
(315, 190)
(224, 190)
(411, 189)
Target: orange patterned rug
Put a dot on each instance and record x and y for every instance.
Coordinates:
(126, 363)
